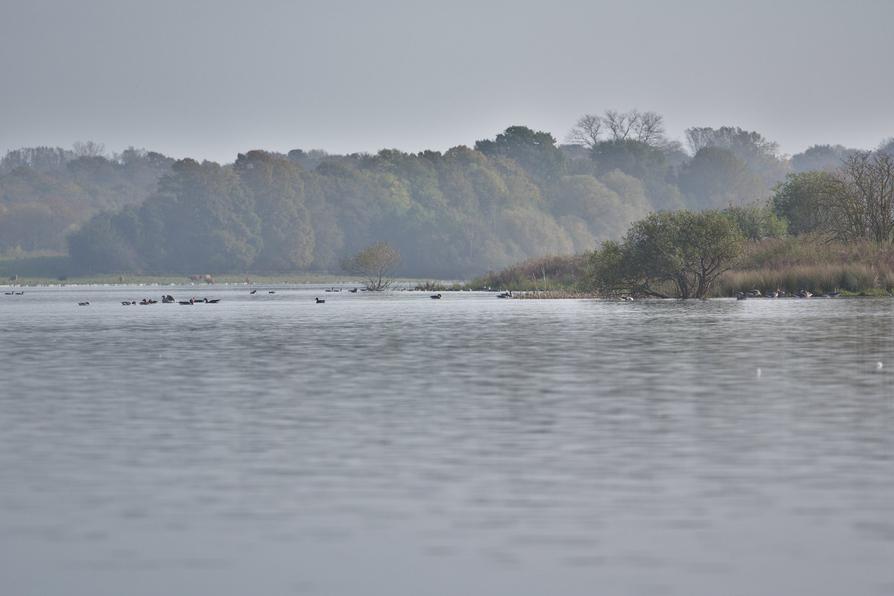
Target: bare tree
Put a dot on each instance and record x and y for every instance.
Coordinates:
(645, 127)
(620, 124)
(863, 204)
(88, 149)
(648, 127)
(587, 131)
(375, 264)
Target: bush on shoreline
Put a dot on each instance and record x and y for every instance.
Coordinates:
(790, 264)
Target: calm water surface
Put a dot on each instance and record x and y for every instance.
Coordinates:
(398, 445)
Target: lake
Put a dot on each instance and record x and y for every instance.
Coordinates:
(396, 445)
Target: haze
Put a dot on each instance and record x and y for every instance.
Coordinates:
(210, 79)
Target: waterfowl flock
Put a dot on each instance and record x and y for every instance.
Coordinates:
(753, 293)
(777, 293)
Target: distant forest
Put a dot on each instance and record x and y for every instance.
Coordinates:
(455, 214)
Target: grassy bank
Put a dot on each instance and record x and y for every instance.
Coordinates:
(813, 264)
(790, 264)
(544, 274)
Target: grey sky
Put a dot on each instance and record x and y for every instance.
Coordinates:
(212, 78)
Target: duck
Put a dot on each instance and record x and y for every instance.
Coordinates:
(189, 302)
(167, 299)
(741, 296)
(83, 304)
(832, 294)
(212, 301)
(804, 294)
(435, 296)
(754, 293)
(353, 291)
(253, 292)
(125, 303)
(319, 300)
(271, 292)
(507, 294)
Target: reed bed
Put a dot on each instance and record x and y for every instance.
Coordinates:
(552, 295)
(813, 264)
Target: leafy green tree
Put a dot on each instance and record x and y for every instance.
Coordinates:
(209, 220)
(716, 178)
(803, 200)
(277, 188)
(683, 249)
(757, 222)
(100, 247)
(632, 157)
(760, 155)
(536, 152)
(826, 158)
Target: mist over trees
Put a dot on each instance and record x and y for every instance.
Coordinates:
(457, 213)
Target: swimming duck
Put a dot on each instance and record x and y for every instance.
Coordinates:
(319, 300)
(435, 296)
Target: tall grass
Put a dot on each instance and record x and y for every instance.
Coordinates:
(814, 264)
(818, 279)
(546, 273)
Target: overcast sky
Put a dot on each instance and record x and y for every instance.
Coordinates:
(212, 78)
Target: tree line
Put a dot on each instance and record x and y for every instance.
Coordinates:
(518, 195)
(683, 253)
